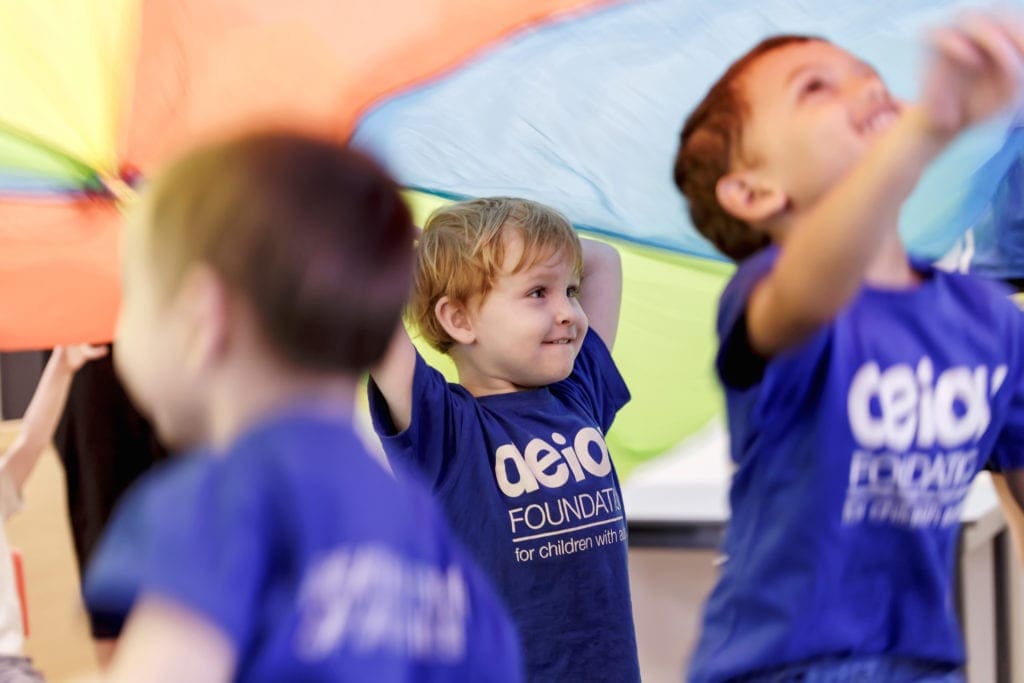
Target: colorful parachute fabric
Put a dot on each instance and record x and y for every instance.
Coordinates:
(97, 92)
(583, 113)
(575, 103)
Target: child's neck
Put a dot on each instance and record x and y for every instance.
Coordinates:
(244, 393)
(478, 382)
(478, 385)
(890, 268)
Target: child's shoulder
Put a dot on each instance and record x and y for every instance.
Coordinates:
(981, 307)
(596, 384)
(757, 264)
(980, 293)
(733, 300)
(749, 271)
(982, 286)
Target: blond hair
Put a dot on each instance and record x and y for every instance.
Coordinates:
(461, 253)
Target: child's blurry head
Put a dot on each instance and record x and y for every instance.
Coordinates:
(777, 130)
(500, 276)
(304, 244)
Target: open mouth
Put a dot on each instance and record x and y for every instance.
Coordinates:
(879, 119)
(560, 341)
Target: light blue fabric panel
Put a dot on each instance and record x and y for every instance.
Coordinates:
(584, 113)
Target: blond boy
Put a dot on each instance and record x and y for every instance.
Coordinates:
(515, 451)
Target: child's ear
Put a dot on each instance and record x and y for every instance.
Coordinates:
(749, 197)
(455, 320)
(203, 298)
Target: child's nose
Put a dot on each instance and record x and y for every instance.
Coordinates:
(566, 312)
(871, 88)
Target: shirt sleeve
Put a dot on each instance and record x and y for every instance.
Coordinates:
(427, 446)
(1008, 452)
(737, 364)
(190, 535)
(596, 381)
(773, 390)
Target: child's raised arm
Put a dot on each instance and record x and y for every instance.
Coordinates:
(44, 410)
(974, 72)
(393, 376)
(601, 289)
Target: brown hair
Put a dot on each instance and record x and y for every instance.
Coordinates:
(462, 249)
(314, 235)
(709, 141)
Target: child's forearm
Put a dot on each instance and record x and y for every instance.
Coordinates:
(973, 72)
(393, 376)
(826, 253)
(601, 289)
(40, 420)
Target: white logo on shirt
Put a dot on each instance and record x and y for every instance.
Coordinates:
(543, 464)
(950, 411)
(917, 437)
(370, 599)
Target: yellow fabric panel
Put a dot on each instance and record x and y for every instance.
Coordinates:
(63, 67)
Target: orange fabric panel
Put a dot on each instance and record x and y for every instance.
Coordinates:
(207, 67)
(58, 272)
(215, 67)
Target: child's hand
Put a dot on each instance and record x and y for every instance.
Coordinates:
(976, 70)
(73, 357)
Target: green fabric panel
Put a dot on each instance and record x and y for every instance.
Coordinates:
(21, 158)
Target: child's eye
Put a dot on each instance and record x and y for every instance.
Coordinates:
(572, 292)
(813, 85)
(537, 293)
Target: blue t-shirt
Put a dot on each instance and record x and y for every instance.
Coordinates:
(854, 452)
(311, 558)
(529, 486)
